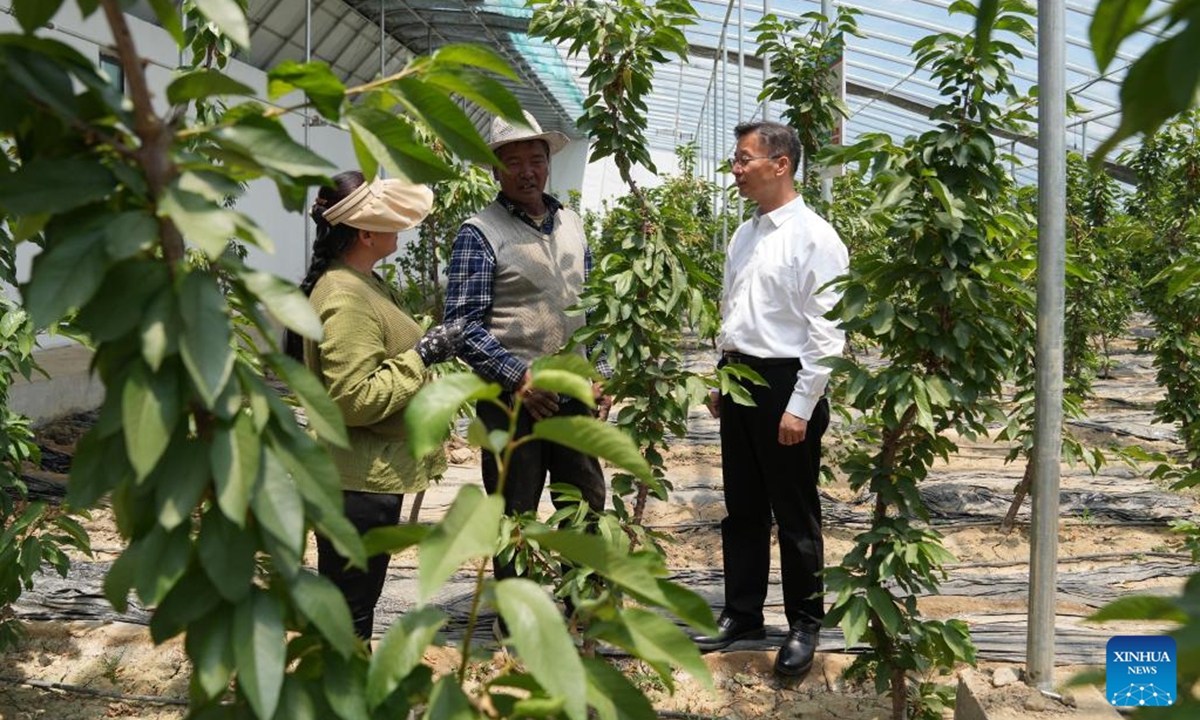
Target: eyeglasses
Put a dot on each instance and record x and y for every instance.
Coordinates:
(745, 160)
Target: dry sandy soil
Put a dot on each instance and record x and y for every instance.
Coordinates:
(1114, 539)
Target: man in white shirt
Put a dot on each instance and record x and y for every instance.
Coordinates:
(773, 305)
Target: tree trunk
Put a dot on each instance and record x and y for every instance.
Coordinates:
(1019, 493)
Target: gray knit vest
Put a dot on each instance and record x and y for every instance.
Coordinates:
(537, 278)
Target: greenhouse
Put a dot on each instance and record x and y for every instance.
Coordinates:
(370, 359)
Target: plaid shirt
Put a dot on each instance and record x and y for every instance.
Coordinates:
(471, 290)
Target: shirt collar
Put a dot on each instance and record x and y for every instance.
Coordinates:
(552, 208)
(780, 215)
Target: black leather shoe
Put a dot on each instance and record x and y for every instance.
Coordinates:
(730, 631)
(795, 656)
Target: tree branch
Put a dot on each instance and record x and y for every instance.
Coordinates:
(154, 155)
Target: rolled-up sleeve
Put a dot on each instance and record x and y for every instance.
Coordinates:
(366, 383)
(469, 296)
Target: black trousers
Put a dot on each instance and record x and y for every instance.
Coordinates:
(764, 478)
(530, 463)
(361, 589)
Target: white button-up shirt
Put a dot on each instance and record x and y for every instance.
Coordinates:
(773, 304)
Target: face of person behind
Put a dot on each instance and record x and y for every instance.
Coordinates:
(756, 173)
(523, 175)
(378, 245)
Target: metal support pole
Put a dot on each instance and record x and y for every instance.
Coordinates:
(741, 206)
(766, 68)
(1051, 262)
(827, 182)
(724, 119)
(308, 239)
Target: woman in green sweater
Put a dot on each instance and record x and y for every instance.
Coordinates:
(372, 360)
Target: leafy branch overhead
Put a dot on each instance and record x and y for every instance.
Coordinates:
(623, 42)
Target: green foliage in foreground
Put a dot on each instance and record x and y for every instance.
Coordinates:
(32, 534)
(212, 483)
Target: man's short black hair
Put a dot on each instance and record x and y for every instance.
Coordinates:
(779, 139)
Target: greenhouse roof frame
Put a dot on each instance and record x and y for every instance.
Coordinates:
(349, 35)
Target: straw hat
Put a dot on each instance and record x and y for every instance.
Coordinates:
(504, 132)
(381, 205)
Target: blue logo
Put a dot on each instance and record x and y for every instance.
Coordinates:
(1140, 670)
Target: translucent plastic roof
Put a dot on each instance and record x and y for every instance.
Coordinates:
(718, 86)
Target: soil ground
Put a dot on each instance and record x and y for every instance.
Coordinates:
(1114, 539)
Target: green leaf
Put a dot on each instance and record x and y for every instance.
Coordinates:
(207, 225)
(401, 651)
(569, 362)
(318, 82)
(159, 329)
(162, 559)
(542, 640)
(205, 345)
(854, 621)
(468, 531)
(589, 435)
(203, 83)
(150, 406)
(270, 146)
(565, 383)
(119, 579)
(129, 233)
(612, 695)
(381, 138)
(209, 647)
(54, 185)
(260, 645)
(323, 415)
(1112, 22)
(660, 643)
(33, 14)
(881, 602)
(100, 464)
(278, 507)
(479, 89)
(476, 56)
(65, 276)
(229, 17)
(227, 554)
(1141, 607)
(431, 411)
(180, 480)
(393, 538)
(342, 683)
(167, 12)
(448, 702)
(236, 458)
(115, 308)
(190, 599)
(319, 600)
(447, 119)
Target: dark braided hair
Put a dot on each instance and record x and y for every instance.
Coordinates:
(331, 242)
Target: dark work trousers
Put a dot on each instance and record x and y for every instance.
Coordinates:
(364, 510)
(532, 461)
(764, 478)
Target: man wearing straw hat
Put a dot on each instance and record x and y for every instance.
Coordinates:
(515, 269)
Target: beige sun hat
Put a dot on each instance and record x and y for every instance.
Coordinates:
(504, 132)
(381, 205)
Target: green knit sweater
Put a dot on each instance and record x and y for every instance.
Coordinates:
(369, 366)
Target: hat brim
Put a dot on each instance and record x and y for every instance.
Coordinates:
(553, 138)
